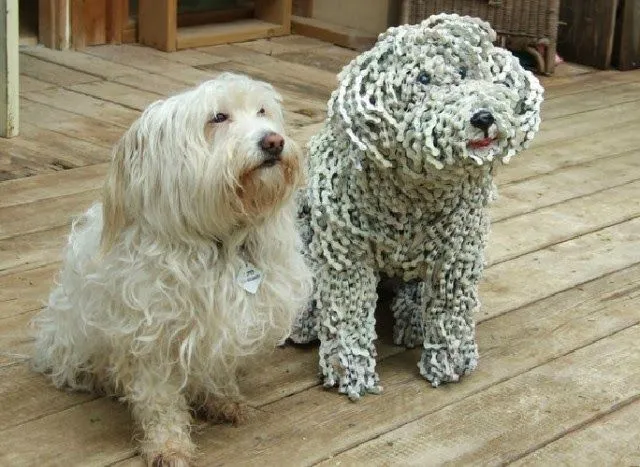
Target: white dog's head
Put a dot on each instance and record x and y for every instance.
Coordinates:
(435, 94)
(202, 163)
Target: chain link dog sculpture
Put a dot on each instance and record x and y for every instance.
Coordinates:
(400, 179)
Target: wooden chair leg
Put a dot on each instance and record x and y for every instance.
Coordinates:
(9, 75)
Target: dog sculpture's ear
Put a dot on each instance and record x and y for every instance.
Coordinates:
(471, 28)
(113, 203)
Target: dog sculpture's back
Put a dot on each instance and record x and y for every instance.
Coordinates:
(400, 180)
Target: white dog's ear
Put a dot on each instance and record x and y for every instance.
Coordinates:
(113, 203)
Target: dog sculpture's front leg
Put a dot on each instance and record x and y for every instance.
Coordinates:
(161, 410)
(449, 296)
(346, 301)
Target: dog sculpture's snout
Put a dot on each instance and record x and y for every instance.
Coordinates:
(272, 144)
(482, 119)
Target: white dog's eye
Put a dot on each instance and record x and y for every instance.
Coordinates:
(463, 72)
(261, 111)
(219, 118)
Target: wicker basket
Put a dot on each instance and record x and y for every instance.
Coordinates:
(530, 25)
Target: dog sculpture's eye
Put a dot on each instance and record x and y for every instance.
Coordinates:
(463, 72)
(219, 118)
(424, 78)
(261, 111)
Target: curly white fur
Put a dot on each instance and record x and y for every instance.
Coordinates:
(400, 178)
(149, 304)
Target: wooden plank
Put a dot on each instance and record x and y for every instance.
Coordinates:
(86, 105)
(543, 159)
(615, 247)
(70, 124)
(52, 73)
(17, 409)
(131, 98)
(554, 131)
(533, 193)
(589, 100)
(629, 49)
(9, 70)
(285, 44)
(80, 62)
(95, 420)
(40, 150)
(586, 32)
(26, 252)
(611, 440)
(22, 294)
(151, 82)
(223, 33)
(44, 214)
(307, 427)
(37, 188)
(555, 224)
(328, 58)
(280, 80)
(29, 84)
(338, 35)
(303, 429)
(192, 58)
(557, 87)
(157, 24)
(520, 414)
(138, 57)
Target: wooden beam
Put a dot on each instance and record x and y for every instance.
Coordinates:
(9, 74)
(157, 24)
(117, 17)
(53, 23)
(629, 48)
(338, 35)
(275, 11)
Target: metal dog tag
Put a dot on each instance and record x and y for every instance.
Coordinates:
(250, 278)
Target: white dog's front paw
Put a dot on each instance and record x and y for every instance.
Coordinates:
(440, 364)
(171, 459)
(352, 370)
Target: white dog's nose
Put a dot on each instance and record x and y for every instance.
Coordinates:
(272, 144)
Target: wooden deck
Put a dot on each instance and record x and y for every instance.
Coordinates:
(559, 375)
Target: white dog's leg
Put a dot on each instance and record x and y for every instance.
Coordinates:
(346, 303)
(407, 307)
(161, 410)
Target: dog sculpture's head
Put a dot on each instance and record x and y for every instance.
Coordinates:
(202, 163)
(435, 94)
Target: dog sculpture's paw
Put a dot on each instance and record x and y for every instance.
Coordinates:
(440, 364)
(304, 329)
(352, 371)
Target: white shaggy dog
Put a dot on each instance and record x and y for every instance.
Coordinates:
(189, 265)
